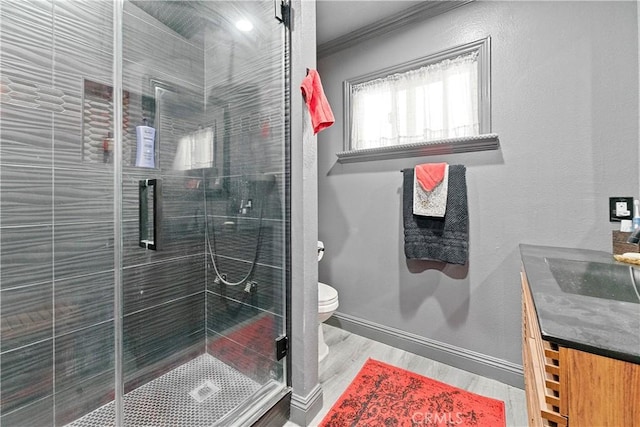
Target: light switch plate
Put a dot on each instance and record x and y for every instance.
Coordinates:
(620, 208)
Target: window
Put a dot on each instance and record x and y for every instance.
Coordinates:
(442, 99)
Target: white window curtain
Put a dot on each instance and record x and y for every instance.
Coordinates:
(433, 102)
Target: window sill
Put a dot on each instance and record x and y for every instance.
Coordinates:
(465, 144)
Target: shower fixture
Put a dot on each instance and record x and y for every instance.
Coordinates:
(210, 237)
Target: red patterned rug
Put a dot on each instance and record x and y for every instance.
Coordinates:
(384, 395)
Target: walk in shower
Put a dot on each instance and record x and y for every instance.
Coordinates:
(143, 212)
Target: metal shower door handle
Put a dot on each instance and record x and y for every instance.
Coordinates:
(150, 217)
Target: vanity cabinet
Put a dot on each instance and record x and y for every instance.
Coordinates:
(569, 387)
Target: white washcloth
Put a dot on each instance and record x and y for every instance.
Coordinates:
(431, 203)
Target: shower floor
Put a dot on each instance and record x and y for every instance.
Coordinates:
(198, 393)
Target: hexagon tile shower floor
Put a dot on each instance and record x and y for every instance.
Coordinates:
(169, 400)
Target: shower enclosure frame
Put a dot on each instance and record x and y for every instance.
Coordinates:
(276, 404)
(68, 192)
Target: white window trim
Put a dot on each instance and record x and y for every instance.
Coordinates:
(484, 141)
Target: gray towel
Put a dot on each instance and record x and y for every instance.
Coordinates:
(439, 239)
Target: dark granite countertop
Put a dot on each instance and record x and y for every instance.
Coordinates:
(601, 326)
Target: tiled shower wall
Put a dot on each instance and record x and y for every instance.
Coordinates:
(56, 216)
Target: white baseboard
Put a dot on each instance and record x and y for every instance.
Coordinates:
(305, 408)
(478, 363)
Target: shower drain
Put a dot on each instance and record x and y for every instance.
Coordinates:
(204, 391)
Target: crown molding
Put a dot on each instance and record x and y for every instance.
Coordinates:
(420, 12)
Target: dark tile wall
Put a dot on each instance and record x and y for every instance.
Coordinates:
(27, 375)
(158, 339)
(84, 371)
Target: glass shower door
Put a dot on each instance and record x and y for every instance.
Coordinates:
(203, 218)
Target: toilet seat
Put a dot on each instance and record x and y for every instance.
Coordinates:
(327, 298)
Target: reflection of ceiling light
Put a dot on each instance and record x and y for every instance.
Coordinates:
(244, 25)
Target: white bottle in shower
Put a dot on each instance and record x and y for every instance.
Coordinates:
(146, 146)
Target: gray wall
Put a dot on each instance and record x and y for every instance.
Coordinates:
(306, 399)
(565, 106)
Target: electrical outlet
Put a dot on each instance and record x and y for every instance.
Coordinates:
(620, 208)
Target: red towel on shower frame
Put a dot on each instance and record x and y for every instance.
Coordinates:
(319, 108)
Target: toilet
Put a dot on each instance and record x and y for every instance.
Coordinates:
(327, 305)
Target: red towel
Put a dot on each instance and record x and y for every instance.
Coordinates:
(319, 109)
(429, 175)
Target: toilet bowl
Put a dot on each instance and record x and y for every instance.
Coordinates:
(327, 305)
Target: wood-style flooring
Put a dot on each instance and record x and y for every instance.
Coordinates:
(348, 352)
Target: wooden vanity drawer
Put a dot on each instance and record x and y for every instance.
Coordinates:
(542, 371)
(545, 390)
(530, 320)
